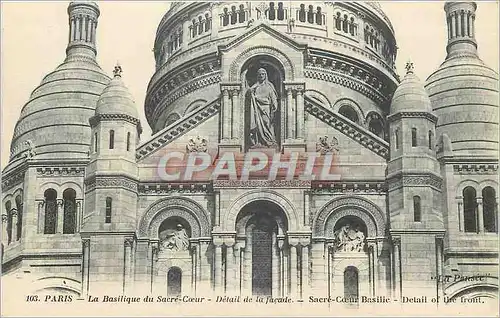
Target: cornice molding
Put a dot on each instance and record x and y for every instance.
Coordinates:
(348, 128)
(172, 132)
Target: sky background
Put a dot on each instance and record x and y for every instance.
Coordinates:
(35, 34)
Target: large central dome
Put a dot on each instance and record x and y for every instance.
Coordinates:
(359, 34)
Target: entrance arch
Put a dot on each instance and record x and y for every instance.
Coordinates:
(262, 225)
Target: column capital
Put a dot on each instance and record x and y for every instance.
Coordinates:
(129, 241)
(230, 86)
(85, 242)
(13, 212)
(396, 240)
(41, 203)
(5, 218)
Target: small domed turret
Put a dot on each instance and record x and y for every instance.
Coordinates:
(410, 96)
(116, 98)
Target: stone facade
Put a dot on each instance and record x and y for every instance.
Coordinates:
(412, 204)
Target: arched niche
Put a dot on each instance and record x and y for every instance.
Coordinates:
(276, 76)
(180, 207)
(229, 222)
(333, 211)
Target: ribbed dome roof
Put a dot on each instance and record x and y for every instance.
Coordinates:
(54, 123)
(116, 98)
(410, 95)
(55, 119)
(464, 96)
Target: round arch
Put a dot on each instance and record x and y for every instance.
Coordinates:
(356, 206)
(485, 286)
(181, 207)
(229, 222)
(61, 284)
(284, 61)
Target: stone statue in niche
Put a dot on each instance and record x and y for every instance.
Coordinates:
(31, 149)
(176, 240)
(349, 238)
(262, 99)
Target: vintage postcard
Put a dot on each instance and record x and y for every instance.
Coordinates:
(249, 158)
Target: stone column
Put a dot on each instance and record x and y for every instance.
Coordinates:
(127, 264)
(77, 31)
(453, 26)
(238, 266)
(79, 215)
(154, 249)
(60, 216)
(293, 270)
(439, 266)
(13, 228)
(85, 267)
(290, 114)
(281, 265)
(226, 111)
(185, 32)
(216, 20)
(300, 114)
(373, 263)
(396, 242)
(472, 26)
(41, 216)
(205, 272)
(197, 276)
(480, 219)
(230, 281)
(235, 110)
(5, 229)
(275, 267)
(305, 271)
(194, 258)
(218, 284)
(460, 213)
(247, 267)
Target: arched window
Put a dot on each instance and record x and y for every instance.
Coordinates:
(50, 211)
(302, 13)
(109, 202)
(111, 139)
(281, 12)
(241, 14)
(128, 141)
(396, 138)
(174, 281)
(345, 21)
(8, 208)
(352, 27)
(414, 137)
(489, 210)
(351, 285)
(19, 206)
(338, 21)
(376, 127)
(69, 225)
(200, 25)
(349, 113)
(310, 15)
(225, 17)
(417, 213)
(367, 37)
(429, 139)
(319, 16)
(95, 142)
(271, 13)
(470, 208)
(193, 28)
(208, 23)
(234, 15)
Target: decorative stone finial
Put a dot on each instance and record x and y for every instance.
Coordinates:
(409, 67)
(117, 71)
